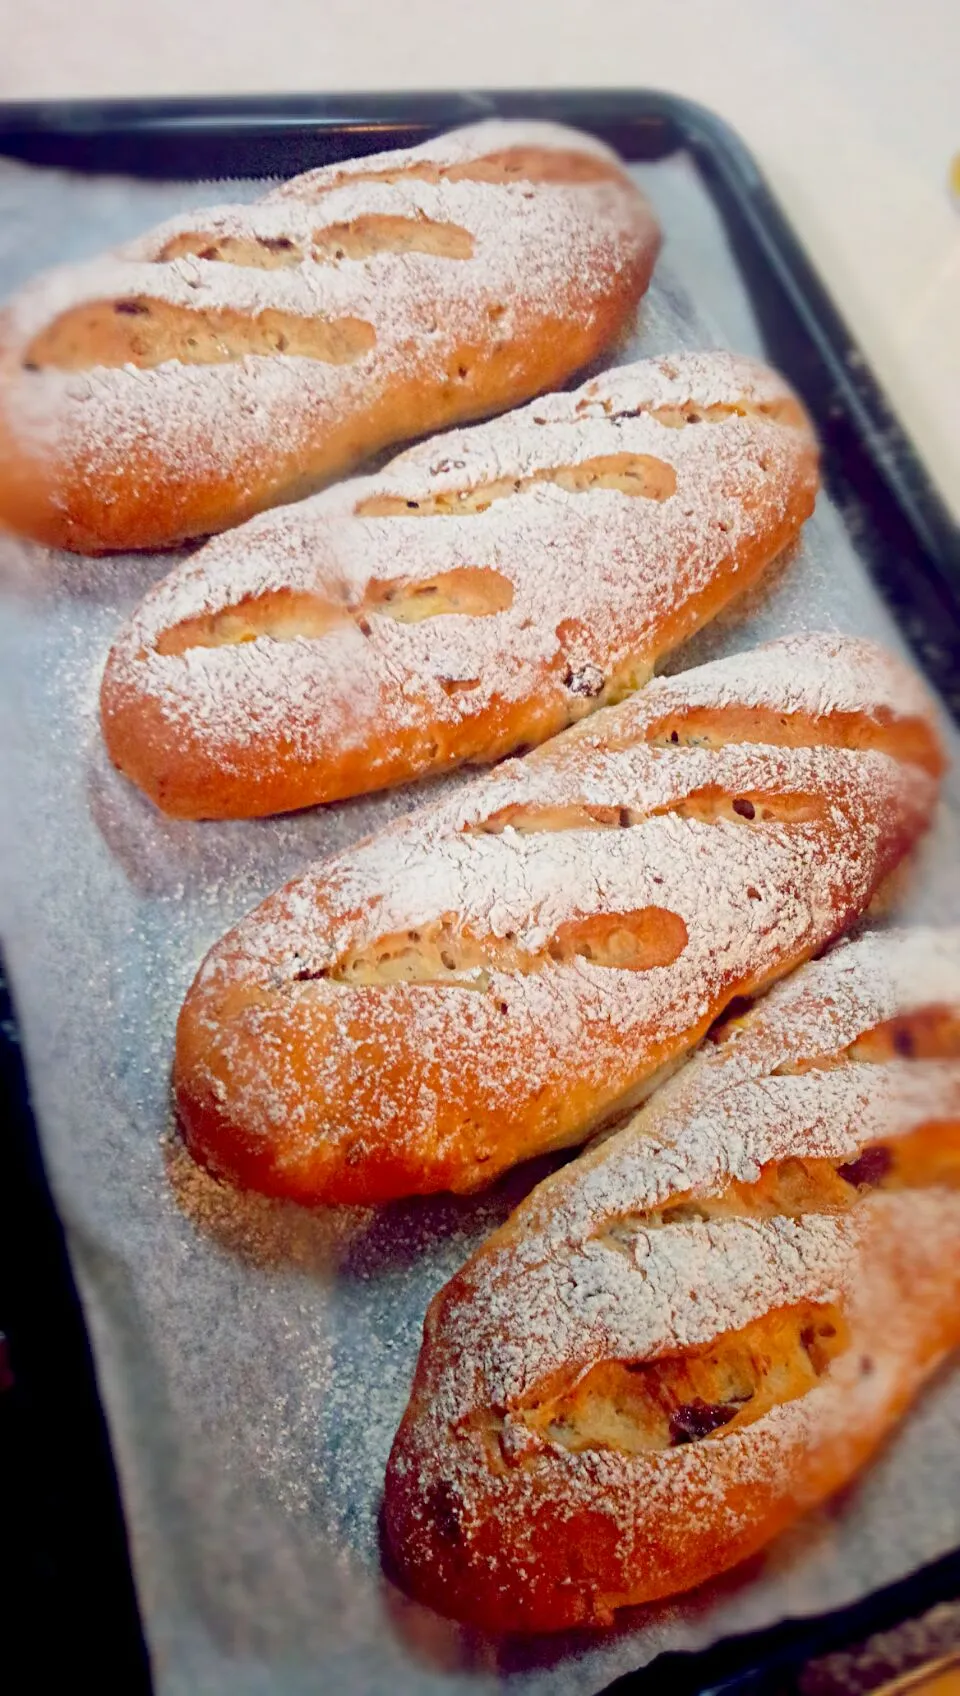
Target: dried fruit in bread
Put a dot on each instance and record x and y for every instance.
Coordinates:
(708, 1322)
(497, 975)
(482, 591)
(240, 356)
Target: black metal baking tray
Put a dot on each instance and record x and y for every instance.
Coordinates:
(62, 1508)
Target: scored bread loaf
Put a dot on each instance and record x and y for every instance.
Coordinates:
(238, 356)
(708, 1322)
(482, 591)
(496, 975)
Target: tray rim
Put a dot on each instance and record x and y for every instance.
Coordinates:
(58, 133)
(54, 132)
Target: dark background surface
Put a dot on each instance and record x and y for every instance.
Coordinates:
(67, 1594)
(66, 1597)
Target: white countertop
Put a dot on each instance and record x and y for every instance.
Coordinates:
(852, 108)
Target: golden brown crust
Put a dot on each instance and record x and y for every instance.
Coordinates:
(495, 976)
(242, 356)
(706, 1324)
(482, 591)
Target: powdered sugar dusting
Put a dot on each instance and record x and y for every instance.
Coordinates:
(251, 1470)
(400, 300)
(555, 246)
(826, 686)
(640, 566)
(473, 141)
(461, 1062)
(729, 1112)
(551, 1293)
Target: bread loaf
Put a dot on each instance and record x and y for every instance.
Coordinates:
(239, 356)
(708, 1322)
(482, 591)
(499, 974)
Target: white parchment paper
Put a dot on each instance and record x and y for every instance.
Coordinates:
(254, 1360)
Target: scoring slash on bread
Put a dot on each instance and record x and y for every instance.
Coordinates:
(496, 975)
(239, 356)
(481, 592)
(708, 1322)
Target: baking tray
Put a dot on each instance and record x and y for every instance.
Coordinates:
(67, 1517)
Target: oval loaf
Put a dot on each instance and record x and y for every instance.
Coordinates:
(482, 591)
(240, 356)
(496, 975)
(708, 1322)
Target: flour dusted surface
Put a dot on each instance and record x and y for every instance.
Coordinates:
(508, 1029)
(587, 1271)
(550, 251)
(562, 637)
(231, 1577)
